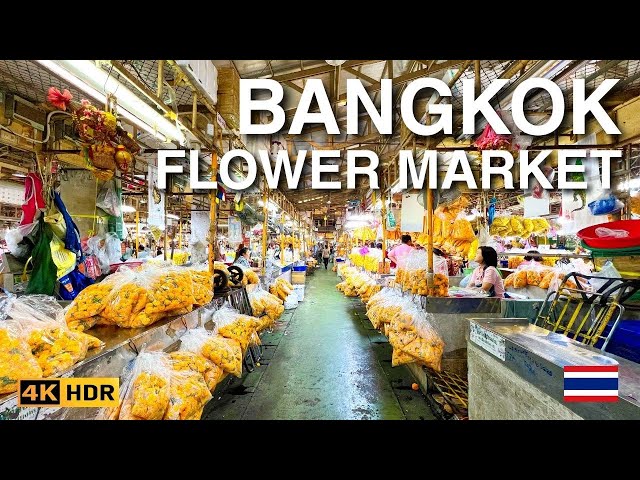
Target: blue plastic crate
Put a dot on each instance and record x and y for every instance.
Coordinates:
(625, 341)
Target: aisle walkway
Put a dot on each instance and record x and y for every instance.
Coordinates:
(323, 361)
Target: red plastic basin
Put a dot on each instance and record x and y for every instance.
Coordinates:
(588, 235)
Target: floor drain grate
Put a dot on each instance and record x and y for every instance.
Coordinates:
(453, 390)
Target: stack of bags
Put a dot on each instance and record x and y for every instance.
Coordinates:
(410, 333)
(281, 289)
(515, 226)
(138, 298)
(163, 386)
(177, 385)
(537, 276)
(266, 306)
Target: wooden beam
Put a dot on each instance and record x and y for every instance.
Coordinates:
(290, 84)
(360, 75)
(314, 72)
(514, 68)
(14, 167)
(400, 80)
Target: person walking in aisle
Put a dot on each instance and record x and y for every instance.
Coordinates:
(325, 255)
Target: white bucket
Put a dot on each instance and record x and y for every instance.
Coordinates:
(299, 291)
(291, 302)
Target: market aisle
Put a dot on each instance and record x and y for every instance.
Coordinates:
(328, 364)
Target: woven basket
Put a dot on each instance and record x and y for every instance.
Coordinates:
(103, 161)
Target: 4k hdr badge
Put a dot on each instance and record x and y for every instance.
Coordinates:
(69, 392)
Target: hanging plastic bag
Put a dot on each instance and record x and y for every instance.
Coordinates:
(96, 246)
(43, 275)
(78, 282)
(391, 219)
(72, 233)
(18, 240)
(90, 267)
(411, 333)
(107, 199)
(56, 220)
(64, 259)
(113, 247)
(603, 205)
(34, 203)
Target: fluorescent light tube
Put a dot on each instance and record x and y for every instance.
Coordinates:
(91, 79)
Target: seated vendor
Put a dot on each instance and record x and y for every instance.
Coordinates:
(531, 258)
(243, 257)
(486, 276)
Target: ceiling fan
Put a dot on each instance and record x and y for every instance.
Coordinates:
(440, 197)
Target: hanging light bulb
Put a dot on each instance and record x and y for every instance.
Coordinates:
(335, 63)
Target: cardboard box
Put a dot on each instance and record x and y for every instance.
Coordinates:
(298, 278)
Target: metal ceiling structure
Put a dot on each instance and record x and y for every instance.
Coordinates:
(31, 81)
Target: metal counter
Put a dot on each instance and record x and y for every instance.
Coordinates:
(450, 318)
(538, 356)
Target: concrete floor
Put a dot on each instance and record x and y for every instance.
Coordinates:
(323, 361)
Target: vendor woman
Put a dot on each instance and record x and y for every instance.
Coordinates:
(486, 276)
(243, 258)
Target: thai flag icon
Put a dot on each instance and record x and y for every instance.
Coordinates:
(591, 384)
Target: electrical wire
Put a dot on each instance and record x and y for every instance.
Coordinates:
(140, 77)
(33, 140)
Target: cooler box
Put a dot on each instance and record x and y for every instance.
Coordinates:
(299, 291)
(298, 275)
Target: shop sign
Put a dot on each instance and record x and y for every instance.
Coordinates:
(412, 213)
(235, 230)
(491, 342)
(155, 200)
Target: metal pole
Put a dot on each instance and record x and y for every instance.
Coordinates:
(166, 230)
(194, 111)
(213, 227)
(180, 233)
(137, 231)
(265, 227)
(429, 204)
(282, 238)
(160, 78)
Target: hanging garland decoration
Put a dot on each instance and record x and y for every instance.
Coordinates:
(106, 145)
